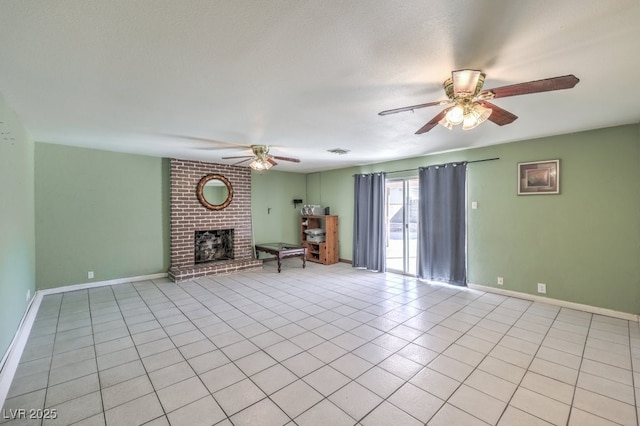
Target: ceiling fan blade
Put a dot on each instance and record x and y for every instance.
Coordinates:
(215, 142)
(241, 161)
(204, 148)
(432, 123)
(465, 81)
(411, 108)
(293, 160)
(270, 160)
(240, 156)
(545, 85)
(498, 115)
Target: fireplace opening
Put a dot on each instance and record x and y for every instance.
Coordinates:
(213, 245)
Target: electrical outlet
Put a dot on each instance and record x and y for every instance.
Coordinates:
(28, 295)
(90, 275)
(474, 205)
(500, 281)
(542, 288)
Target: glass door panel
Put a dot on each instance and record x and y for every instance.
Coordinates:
(394, 220)
(401, 209)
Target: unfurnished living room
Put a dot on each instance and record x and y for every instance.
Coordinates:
(300, 212)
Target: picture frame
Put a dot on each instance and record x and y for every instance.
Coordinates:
(539, 177)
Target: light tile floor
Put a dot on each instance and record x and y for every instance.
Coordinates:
(328, 345)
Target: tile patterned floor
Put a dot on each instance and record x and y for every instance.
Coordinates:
(328, 345)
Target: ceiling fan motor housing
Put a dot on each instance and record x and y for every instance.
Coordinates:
(464, 84)
(261, 151)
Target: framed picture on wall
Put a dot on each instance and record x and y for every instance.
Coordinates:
(539, 177)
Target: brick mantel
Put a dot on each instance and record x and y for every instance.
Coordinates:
(189, 216)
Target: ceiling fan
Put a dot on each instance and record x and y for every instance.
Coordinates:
(261, 159)
(469, 104)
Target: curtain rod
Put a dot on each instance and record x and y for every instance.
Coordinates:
(468, 162)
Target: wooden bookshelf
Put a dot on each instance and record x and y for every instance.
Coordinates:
(326, 253)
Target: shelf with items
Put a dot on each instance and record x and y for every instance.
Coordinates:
(314, 252)
(324, 252)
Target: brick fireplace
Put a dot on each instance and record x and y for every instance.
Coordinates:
(189, 217)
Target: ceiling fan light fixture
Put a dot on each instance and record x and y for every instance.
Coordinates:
(260, 164)
(455, 115)
(261, 161)
(476, 115)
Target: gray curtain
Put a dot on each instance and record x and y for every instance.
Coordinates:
(368, 222)
(442, 250)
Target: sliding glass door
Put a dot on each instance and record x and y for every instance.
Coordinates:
(401, 221)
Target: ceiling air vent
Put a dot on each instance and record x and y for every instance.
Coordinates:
(338, 151)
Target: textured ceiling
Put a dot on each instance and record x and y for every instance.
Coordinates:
(201, 79)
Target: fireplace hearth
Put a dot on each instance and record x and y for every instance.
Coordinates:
(213, 245)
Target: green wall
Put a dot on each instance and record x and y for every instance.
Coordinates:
(17, 236)
(584, 243)
(334, 189)
(274, 216)
(99, 211)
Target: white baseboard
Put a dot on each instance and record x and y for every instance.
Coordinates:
(75, 287)
(557, 302)
(11, 359)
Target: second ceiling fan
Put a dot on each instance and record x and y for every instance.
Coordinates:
(261, 159)
(469, 104)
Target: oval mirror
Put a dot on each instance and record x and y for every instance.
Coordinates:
(214, 192)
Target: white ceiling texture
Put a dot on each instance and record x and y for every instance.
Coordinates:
(204, 79)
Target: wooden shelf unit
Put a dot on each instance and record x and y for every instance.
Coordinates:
(325, 253)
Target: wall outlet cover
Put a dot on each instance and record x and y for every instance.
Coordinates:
(542, 288)
(500, 281)
(90, 274)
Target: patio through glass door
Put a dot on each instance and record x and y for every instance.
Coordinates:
(401, 221)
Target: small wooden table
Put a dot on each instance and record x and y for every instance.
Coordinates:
(282, 250)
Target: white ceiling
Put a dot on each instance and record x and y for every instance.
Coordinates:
(199, 79)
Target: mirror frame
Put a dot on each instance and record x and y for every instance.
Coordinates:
(200, 188)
